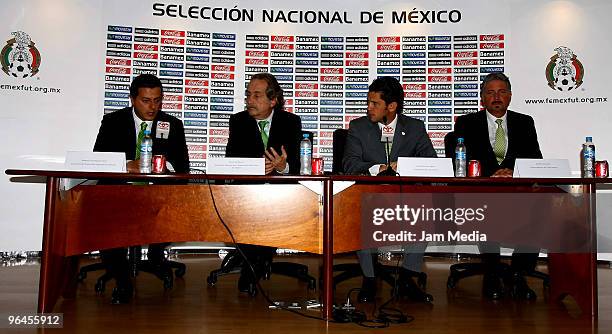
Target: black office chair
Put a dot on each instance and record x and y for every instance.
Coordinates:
(137, 265)
(351, 270)
(460, 271)
(233, 262)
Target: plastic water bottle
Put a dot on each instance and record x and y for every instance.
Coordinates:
(305, 156)
(587, 158)
(146, 152)
(460, 159)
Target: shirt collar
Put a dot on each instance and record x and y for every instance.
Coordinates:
(393, 123)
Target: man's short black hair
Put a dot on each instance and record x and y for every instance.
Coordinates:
(492, 77)
(274, 90)
(390, 90)
(145, 81)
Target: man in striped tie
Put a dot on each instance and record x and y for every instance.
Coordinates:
(496, 137)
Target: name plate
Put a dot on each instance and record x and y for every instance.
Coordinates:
(542, 168)
(83, 161)
(236, 166)
(425, 167)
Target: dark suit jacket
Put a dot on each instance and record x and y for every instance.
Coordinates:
(245, 140)
(522, 140)
(118, 134)
(363, 148)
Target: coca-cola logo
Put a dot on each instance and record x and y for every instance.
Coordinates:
(440, 78)
(217, 140)
(282, 38)
(356, 63)
(332, 70)
(225, 76)
(326, 134)
(120, 62)
(332, 78)
(191, 90)
(498, 37)
(288, 101)
(466, 62)
(196, 147)
(415, 95)
(196, 83)
(117, 70)
(437, 143)
(437, 134)
(173, 106)
(219, 132)
(173, 41)
(326, 142)
(439, 70)
(388, 39)
(306, 94)
(173, 98)
(356, 55)
(197, 156)
(144, 55)
(465, 54)
(257, 53)
(289, 109)
(389, 47)
(491, 46)
(145, 47)
(223, 68)
(173, 33)
(276, 46)
(414, 87)
(252, 61)
(306, 86)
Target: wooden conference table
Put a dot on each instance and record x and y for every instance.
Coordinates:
(265, 210)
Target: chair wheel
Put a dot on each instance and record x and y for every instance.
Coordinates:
(312, 284)
(100, 286)
(81, 276)
(180, 272)
(451, 282)
(252, 290)
(211, 280)
(422, 280)
(168, 283)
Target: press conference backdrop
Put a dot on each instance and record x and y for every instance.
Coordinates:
(67, 63)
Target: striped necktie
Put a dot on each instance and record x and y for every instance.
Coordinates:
(499, 147)
(141, 134)
(264, 135)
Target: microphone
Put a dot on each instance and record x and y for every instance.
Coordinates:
(387, 133)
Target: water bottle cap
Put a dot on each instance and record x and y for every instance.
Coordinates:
(589, 139)
(305, 135)
(460, 140)
(147, 132)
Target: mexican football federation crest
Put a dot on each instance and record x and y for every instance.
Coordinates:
(564, 71)
(19, 57)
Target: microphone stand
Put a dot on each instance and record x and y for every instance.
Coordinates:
(389, 171)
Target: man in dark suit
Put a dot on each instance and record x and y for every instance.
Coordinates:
(264, 130)
(122, 131)
(366, 153)
(497, 136)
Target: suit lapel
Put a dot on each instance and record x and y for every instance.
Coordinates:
(131, 133)
(512, 137)
(398, 137)
(483, 134)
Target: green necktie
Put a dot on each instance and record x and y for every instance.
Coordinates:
(264, 136)
(499, 147)
(143, 127)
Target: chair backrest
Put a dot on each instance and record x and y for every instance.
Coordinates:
(450, 142)
(338, 150)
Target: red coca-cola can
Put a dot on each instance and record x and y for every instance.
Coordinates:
(601, 168)
(159, 164)
(474, 169)
(317, 166)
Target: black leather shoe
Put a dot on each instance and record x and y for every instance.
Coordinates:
(408, 288)
(122, 295)
(520, 289)
(492, 287)
(367, 294)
